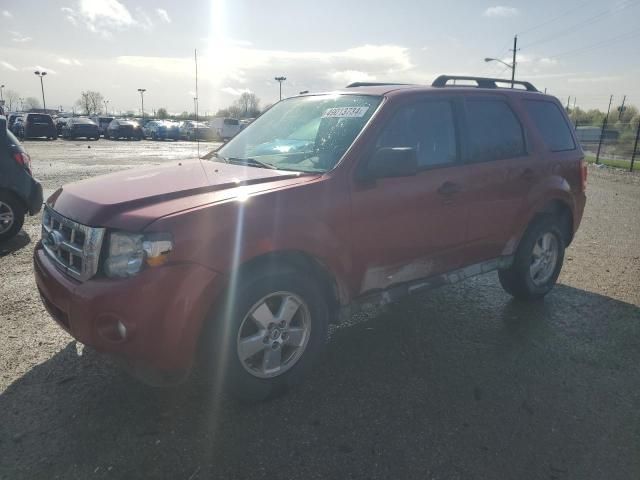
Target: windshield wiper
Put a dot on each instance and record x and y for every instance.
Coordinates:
(213, 153)
(251, 161)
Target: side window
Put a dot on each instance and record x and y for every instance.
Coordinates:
(551, 124)
(426, 126)
(495, 132)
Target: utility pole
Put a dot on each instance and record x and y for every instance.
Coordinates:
(604, 125)
(568, 101)
(280, 80)
(106, 107)
(513, 63)
(635, 148)
(621, 108)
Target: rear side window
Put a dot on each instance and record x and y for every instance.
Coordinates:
(428, 127)
(231, 121)
(40, 119)
(495, 132)
(551, 124)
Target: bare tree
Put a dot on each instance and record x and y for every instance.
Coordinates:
(90, 102)
(162, 113)
(30, 102)
(248, 104)
(11, 97)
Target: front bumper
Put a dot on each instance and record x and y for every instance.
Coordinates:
(162, 310)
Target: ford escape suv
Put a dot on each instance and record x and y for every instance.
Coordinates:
(238, 261)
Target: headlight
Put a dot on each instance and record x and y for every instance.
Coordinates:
(129, 252)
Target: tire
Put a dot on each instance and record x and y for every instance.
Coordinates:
(10, 205)
(248, 380)
(527, 282)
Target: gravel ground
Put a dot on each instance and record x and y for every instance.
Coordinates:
(459, 383)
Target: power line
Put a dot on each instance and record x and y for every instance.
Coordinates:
(551, 20)
(587, 21)
(604, 43)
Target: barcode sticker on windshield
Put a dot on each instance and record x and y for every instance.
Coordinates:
(345, 112)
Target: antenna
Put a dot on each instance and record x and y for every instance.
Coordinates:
(195, 56)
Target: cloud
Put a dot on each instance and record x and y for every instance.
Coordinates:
(69, 61)
(7, 14)
(163, 14)
(597, 79)
(235, 91)
(8, 66)
(19, 38)
(346, 77)
(501, 11)
(105, 17)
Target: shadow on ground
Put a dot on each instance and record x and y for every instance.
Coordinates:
(460, 383)
(14, 244)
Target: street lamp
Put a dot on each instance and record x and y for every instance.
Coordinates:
(40, 74)
(1, 96)
(142, 90)
(280, 80)
(106, 107)
(512, 66)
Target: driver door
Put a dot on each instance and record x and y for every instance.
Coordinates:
(407, 228)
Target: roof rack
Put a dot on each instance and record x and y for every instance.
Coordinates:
(482, 82)
(373, 84)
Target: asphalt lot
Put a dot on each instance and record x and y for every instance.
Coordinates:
(458, 383)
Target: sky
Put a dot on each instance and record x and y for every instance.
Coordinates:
(584, 49)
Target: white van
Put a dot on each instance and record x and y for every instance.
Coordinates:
(225, 128)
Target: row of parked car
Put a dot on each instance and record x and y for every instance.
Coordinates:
(39, 125)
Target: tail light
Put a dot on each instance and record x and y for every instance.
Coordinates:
(583, 175)
(23, 160)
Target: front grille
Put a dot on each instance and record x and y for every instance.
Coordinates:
(74, 247)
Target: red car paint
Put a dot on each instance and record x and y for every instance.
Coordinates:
(369, 237)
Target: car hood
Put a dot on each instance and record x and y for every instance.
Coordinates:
(132, 199)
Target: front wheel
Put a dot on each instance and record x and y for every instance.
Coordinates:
(11, 216)
(267, 336)
(537, 262)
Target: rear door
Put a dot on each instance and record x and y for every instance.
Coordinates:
(503, 171)
(413, 227)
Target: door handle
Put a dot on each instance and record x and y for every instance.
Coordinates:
(448, 188)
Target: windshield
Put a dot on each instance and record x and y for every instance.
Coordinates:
(307, 134)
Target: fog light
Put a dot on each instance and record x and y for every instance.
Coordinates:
(111, 328)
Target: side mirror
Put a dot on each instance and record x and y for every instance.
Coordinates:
(391, 162)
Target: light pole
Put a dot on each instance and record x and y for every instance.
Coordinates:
(106, 107)
(40, 74)
(142, 90)
(511, 66)
(21, 103)
(280, 80)
(1, 96)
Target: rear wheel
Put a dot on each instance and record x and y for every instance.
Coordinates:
(537, 262)
(11, 216)
(267, 336)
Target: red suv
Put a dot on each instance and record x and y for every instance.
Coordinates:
(326, 202)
